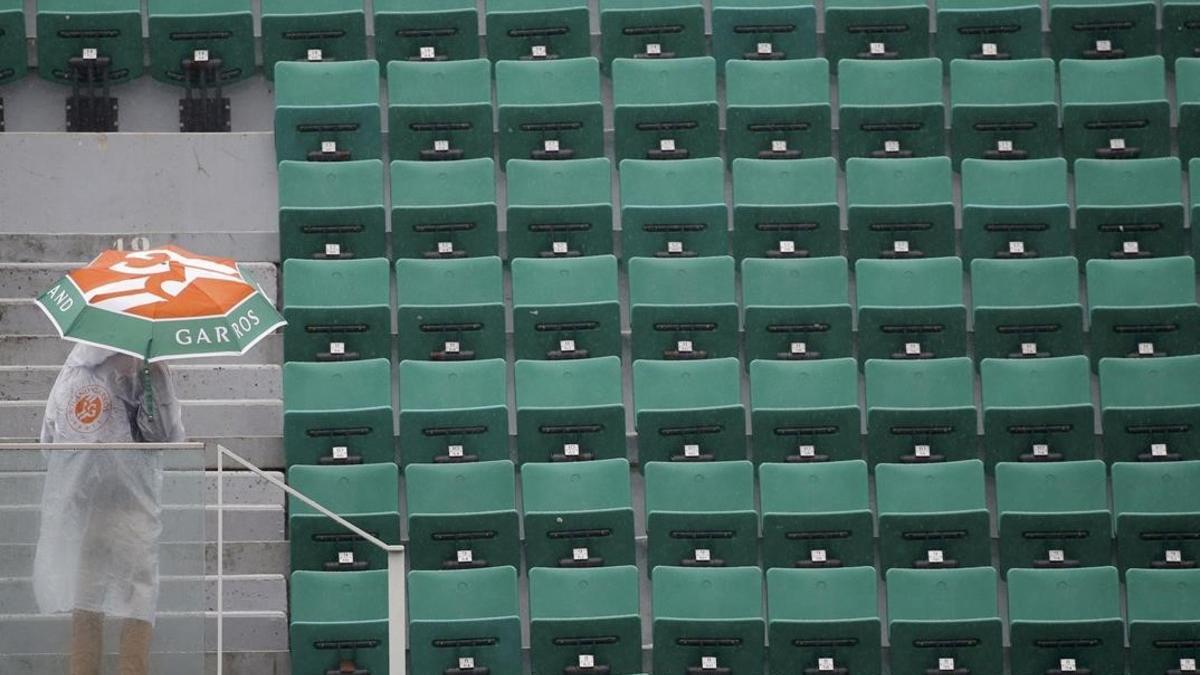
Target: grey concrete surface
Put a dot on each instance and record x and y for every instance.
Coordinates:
(49, 350)
(179, 488)
(250, 593)
(79, 247)
(216, 419)
(187, 631)
(235, 381)
(243, 523)
(28, 280)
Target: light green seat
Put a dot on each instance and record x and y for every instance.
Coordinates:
(1053, 515)
(538, 29)
(700, 514)
(1068, 614)
(910, 309)
(665, 109)
(1026, 308)
(650, 29)
(368, 496)
(891, 109)
(816, 515)
(337, 310)
(920, 411)
(899, 208)
(464, 614)
(797, 310)
(178, 28)
(1150, 408)
(292, 29)
(13, 51)
(777, 109)
(444, 209)
(785, 209)
(338, 413)
(440, 111)
(559, 209)
(1164, 618)
(549, 110)
(933, 516)
(65, 28)
(331, 210)
(819, 614)
(944, 620)
(585, 619)
(764, 30)
(1102, 29)
(965, 27)
(683, 308)
(1129, 209)
(673, 208)
(339, 619)
(875, 29)
(462, 516)
(578, 514)
(1143, 308)
(689, 410)
(805, 411)
(406, 30)
(1115, 109)
(1015, 209)
(566, 308)
(1187, 92)
(570, 410)
(453, 411)
(1037, 410)
(702, 614)
(1157, 509)
(1003, 109)
(450, 309)
(317, 104)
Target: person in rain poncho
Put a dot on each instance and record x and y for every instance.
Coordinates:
(97, 554)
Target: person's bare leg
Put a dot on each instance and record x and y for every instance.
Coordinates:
(87, 642)
(135, 647)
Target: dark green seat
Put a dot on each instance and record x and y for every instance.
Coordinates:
(1015, 209)
(1037, 409)
(465, 620)
(570, 410)
(910, 309)
(1053, 515)
(891, 109)
(331, 210)
(1157, 509)
(312, 30)
(1026, 308)
(816, 515)
(1066, 620)
(1187, 95)
(785, 209)
(1180, 21)
(689, 410)
(327, 111)
(899, 208)
(805, 411)
(875, 29)
(1129, 209)
(1003, 109)
(69, 29)
(450, 309)
(339, 619)
(650, 30)
(665, 109)
(1115, 109)
(538, 29)
(338, 413)
(559, 209)
(549, 109)
(368, 496)
(426, 30)
(584, 620)
(797, 309)
(920, 411)
(462, 516)
(440, 111)
(224, 29)
(708, 617)
(988, 29)
(684, 308)
(700, 514)
(777, 109)
(673, 208)
(944, 620)
(1143, 308)
(337, 310)
(566, 308)
(1102, 29)
(13, 51)
(444, 209)
(453, 411)
(933, 516)
(578, 514)
(1164, 619)
(823, 618)
(763, 30)
(1150, 408)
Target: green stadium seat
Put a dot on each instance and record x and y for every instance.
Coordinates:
(426, 30)
(549, 109)
(440, 111)
(559, 209)
(180, 28)
(786, 209)
(1129, 209)
(444, 209)
(708, 620)
(1143, 308)
(689, 410)
(70, 29)
(920, 411)
(453, 412)
(816, 515)
(910, 309)
(1037, 410)
(650, 30)
(462, 516)
(1015, 209)
(1187, 95)
(1064, 620)
(1180, 21)
(331, 210)
(805, 411)
(875, 29)
(1150, 409)
(665, 109)
(1115, 109)
(933, 516)
(368, 496)
(312, 30)
(988, 30)
(338, 413)
(327, 111)
(797, 309)
(700, 514)
(823, 617)
(1164, 619)
(450, 309)
(683, 309)
(1003, 109)
(13, 51)
(1026, 308)
(763, 30)
(1157, 509)
(944, 620)
(891, 109)
(673, 208)
(464, 621)
(585, 620)
(899, 208)
(1102, 29)
(777, 109)
(570, 410)
(538, 29)
(566, 308)
(339, 620)
(578, 514)
(1053, 515)
(337, 310)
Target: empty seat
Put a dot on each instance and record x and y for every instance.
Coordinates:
(337, 310)
(944, 620)
(899, 208)
(689, 410)
(1157, 510)
(876, 29)
(312, 30)
(1179, 38)
(910, 309)
(673, 208)
(988, 29)
(1130, 209)
(1164, 619)
(1066, 620)
(816, 515)
(327, 111)
(700, 514)
(462, 516)
(13, 51)
(805, 411)
(578, 514)
(823, 619)
(650, 30)
(584, 620)
(450, 309)
(566, 308)
(339, 620)
(338, 413)
(1053, 515)
(570, 410)
(1115, 109)
(1037, 410)
(426, 30)
(549, 109)
(786, 209)
(465, 621)
(890, 109)
(221, 32)
(1150, 408)
(708, 620)
(1015, 209)
(683, 308)
(933, 516)
(453, 412)
(763, 30)
(1187, 91)
(1143, 308)
(439, 111)
(1102, 29)
(559, 209)
(665, 109)
(537, 29)
(797, 310)
(331, 210)
(920, 411)
(1003, 109)
(777, 109)
(368, 496)
(1026, 308)
(444, 209)
(78, 37)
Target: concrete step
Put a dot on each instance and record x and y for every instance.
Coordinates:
(33, 383)
(236, 663)
(19, 488)
(179, 559)
(47, 349)
(214, 419)
(247, 523)
(174, 632)
(251, 593)
(77, 247)
(29, 280)
(265, 452)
